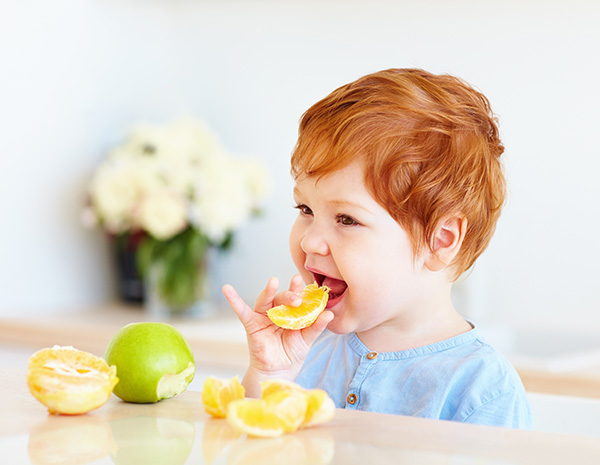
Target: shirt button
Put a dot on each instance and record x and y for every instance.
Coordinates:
(351, 399)
(372, 355)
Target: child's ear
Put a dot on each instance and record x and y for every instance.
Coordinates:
(447, 239)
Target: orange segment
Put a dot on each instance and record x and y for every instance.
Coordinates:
(320, 408)
(217, 394)
(70, 381)
(255, 417)
(271, 386)
(290, 406)
(314, 300)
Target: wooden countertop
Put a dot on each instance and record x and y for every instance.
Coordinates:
(217, 341)
(179, 430)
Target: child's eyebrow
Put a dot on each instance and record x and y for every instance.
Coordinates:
(338, 203)
(349, 204)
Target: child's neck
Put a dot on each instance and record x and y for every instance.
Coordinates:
(397, 336)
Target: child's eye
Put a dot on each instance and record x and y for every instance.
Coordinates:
(346, 220)
(304, 209)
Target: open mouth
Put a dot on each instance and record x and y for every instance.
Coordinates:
(337, 288)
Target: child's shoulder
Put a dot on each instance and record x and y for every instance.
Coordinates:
(467, 352)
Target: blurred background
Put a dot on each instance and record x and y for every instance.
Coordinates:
(77, 74)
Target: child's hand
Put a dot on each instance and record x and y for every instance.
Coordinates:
(274, 352)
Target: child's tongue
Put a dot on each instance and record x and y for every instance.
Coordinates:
(336, 286)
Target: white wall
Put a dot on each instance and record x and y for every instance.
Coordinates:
(75, 75)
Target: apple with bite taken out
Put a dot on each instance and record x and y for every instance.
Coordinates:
(153, 360)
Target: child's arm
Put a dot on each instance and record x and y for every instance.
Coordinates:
(274, 352)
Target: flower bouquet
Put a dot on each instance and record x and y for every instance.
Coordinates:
(179, 192)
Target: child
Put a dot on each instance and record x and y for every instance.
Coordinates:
(398, 188)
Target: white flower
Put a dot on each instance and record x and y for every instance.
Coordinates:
(190, 141)
(117, 187)
(162, 213)
(221, 200)
(167, 177)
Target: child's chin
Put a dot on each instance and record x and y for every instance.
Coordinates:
(339, 326)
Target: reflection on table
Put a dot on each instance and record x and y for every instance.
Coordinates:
(178, 431)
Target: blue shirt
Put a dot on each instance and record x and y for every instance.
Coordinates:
(460, 379)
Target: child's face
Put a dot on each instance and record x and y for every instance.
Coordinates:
(345, 240)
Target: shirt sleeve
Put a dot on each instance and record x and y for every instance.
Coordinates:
(508, 410)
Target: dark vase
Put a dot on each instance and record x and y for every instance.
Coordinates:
(131, 285)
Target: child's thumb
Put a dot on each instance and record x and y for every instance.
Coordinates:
(311, 333)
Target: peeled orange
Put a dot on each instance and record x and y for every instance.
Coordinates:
(284, 407)
(271, 386)
(255, 417)
(314, 299)
(320, 408)
(70, 381)
(290, 406)
(217, 394)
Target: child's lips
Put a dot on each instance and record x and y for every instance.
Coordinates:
(333, 300)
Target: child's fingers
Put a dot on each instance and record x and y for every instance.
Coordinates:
(287, 298)
(241, 309)
(290, 297)
(296, 284)
(311, 333)
(265, 299)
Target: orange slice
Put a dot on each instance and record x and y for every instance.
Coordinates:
(255, 417)
(320, 408)
(217, 394)
(290, 406)
(70, 381)
(314, 299)
(271, 386)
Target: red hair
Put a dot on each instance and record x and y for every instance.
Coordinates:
(430, 147)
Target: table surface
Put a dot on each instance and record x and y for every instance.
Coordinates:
(178, 431)
(217, 341)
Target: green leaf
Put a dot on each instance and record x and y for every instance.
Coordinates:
(144, 255)
(179, 265)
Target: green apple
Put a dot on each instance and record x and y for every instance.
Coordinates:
(153, 360)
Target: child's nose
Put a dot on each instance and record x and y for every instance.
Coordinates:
(314, 241)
